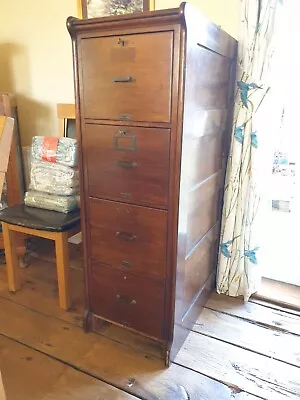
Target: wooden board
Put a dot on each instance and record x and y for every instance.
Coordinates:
(269, 304)
(281, 293)
(256, 313)
(39, 292)
(260, 339)
(134, 371)
(247, 371)
(30, 375)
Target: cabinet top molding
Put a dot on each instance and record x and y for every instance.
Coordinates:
(205, 32)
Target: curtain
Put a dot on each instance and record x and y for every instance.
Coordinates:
(239, 269)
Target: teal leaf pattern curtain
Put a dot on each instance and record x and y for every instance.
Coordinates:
(239, 271)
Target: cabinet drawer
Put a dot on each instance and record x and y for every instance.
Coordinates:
(128, 164)
(133, 301)
(130, 238)
(124, 80)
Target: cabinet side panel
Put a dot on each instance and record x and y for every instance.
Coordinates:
(207, 116)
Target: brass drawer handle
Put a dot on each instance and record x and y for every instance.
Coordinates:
(127, 237)
(125, 300)
(127, 164)
(123, 79)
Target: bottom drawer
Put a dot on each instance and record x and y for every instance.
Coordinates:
(129, 300)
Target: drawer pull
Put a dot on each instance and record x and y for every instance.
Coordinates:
(127, 164)
(123, 79)
(127, 237)
(126, 264)
(125, 300)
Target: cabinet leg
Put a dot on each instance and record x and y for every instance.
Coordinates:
(167, 358)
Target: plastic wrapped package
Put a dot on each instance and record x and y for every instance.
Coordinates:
(56, 150)
(47, 201)
(54, 178)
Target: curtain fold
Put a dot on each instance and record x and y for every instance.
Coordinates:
(239, 270)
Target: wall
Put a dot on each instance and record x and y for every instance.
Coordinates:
(36, 57)
(36, 61)
(222, 12)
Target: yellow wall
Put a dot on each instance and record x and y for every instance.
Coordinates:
(222, 12)
(36, 60)
(36, 57)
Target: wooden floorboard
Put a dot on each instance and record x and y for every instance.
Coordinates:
(247, 371)
(125, 368)
(256, 313)
(235, 351)
(274, 306)
(39, 292)
(248, 335)
(28, 374)
(281, 293)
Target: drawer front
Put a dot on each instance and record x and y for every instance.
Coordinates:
(128, 164)
(133, 301)
(130, 238)
(128, 77)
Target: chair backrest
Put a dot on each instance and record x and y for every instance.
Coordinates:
(6, 133)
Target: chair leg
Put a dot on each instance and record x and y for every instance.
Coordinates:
(12, 264)
(62, 263)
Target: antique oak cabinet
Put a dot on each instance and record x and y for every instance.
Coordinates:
(153, 106)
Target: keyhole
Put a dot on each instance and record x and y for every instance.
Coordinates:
(121, 42)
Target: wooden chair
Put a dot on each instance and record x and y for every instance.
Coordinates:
(42, 223)
(36, 222)
(6, 133)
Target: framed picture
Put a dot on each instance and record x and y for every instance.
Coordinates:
(104, 8)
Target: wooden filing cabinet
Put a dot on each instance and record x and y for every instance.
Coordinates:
(153, 106)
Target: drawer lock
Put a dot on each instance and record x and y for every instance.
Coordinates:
(125, 300)
(127, 237)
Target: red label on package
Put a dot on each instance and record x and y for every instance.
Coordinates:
(49, 149)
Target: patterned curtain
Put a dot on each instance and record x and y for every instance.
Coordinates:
(239, 270)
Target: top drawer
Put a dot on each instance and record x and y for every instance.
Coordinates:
(128, 77)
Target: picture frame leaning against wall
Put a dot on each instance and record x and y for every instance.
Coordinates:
(104, 8)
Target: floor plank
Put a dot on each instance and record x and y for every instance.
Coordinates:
(248, 371)
(280, 293)
(30, 375)
(141, 374)
(278, 345)
(39, 292)
(254, 312)
(270, 304)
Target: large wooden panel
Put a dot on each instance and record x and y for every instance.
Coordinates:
(200, 264)
(127, 164)
(209, 79)
(203, 209)
(133, 301)
(124, 80)
(128, 237)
